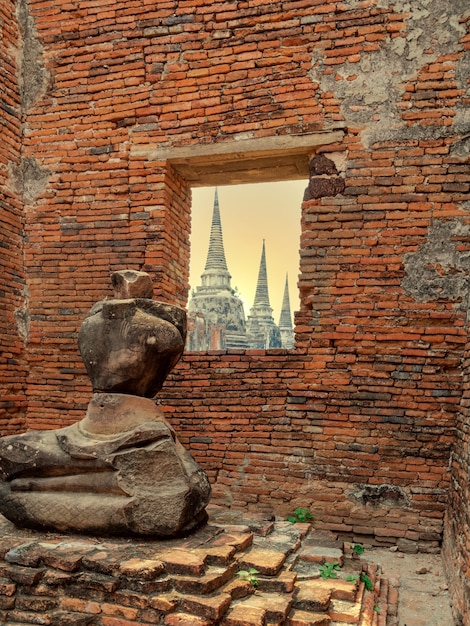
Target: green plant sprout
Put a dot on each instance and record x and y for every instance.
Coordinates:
(358, 549)
(300, 516)
(249, 575)
(352, 578)
(329, 570)
(367, 581)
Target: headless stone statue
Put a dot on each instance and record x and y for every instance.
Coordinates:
(120, 470)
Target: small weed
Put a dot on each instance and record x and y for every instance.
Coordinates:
(358, 549)
(249, 575)
(352, 578)
(376, 608)
(367, 581)
(300, 516)
(329, 570)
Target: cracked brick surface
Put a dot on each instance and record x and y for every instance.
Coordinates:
(192, 581)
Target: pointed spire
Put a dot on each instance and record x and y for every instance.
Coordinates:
(262, 295)
(216, 255)
(216, 315)
(285, 319)
(261, 330)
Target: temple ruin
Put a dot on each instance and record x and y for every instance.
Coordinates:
(111, 112)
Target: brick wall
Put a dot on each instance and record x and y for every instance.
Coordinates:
(13, 297)
(457, 519)
(69, 263)
(359, 420)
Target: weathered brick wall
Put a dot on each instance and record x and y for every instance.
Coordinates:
(457, 520)
(13, 297)
(69, 264)
(358, 421)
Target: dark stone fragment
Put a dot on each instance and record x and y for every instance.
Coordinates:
(324, 187)
(320, 164)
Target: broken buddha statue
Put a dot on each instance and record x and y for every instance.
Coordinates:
(120, 470)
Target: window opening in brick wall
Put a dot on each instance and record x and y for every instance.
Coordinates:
(244, 253)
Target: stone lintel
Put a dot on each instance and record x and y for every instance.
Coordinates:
(237, 161)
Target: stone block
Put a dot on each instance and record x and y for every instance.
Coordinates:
(208, 582)
(339, 589)
(159, 585)
(322, 554)
(310, 597)
(342, 611)
(7, 588)
(66, 556)
(305, 618)
(100, 582)
(7, 602)
(22, 575)
(408, 546)
(240, 541)
(265, 561)
(71, 619)
(127, 597)
(117, 621)
(212, 608)
(219, 555)
(116, 610)
(182, 562)
(103, 561)
(57, 578)
(277, 606)
(26, 617)
(238, 588)
(28, 554)
(283, 583)
(245, 615)
(42, 604)
(164, 602)
(78, 605)
(147, 569)
(185, 619)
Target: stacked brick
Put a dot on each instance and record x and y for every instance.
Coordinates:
(457, 520)
(358, 422)
(203, 580)
(431, 99)
(13, 313)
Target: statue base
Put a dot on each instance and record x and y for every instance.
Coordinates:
(95, 477)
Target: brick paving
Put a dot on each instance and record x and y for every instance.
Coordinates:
(419, 588)
(193, 581)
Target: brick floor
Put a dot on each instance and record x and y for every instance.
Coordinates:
(235, 571)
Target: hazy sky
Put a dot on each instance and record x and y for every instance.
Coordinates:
(249, 214)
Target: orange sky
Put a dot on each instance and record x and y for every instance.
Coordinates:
(249, 214)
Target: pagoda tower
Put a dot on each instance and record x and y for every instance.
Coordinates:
(262, 332)
(216, 318)
(285, 320)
